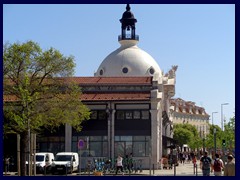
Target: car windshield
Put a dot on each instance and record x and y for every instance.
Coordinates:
(63, 158)
(39, 157)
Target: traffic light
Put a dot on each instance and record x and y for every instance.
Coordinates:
(224, 142)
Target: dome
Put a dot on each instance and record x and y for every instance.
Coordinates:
(128, 14)
(128, 60)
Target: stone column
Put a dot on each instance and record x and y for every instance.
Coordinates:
(113, 134)
(156, 126)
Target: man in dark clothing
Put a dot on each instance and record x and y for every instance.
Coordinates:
(205, 164)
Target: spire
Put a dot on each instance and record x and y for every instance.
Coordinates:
(128, 7)
(128, 25)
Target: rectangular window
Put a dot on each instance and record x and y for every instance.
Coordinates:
(119, 148)
(96, 148)
(129, 149)
(129, 115)
(139, 149)
(93, 115)
(136, 114)
(102, 115)
(120, 114)
(126, 138)
(139, 138)
(145, 114)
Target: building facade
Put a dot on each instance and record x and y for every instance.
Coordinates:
(129, 98)
(132, 110)
(182, 112)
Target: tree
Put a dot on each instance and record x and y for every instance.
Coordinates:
(38, 92)
(180, 135)
(229, 134)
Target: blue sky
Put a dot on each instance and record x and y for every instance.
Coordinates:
(199, 38)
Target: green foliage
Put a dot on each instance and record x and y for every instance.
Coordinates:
(44, 99)
(187, 134)
(229, 133)
(41, 97)
(183, 136)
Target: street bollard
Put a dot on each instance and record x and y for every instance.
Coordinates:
(174, 169)
(196, 169)
(153, 169)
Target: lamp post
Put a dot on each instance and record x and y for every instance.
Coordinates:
(215, 144)
(222, 114)
(214, 135)
(109, 116)
(212, 117)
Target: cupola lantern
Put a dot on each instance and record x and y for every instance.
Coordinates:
(128, 26)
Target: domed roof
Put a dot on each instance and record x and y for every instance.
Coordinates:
(128, 60)
(128, 14)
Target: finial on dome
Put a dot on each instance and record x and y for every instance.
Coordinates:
(128, 7)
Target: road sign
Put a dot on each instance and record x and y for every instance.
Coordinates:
(80, 143)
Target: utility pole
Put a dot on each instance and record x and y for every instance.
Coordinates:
(215, 144)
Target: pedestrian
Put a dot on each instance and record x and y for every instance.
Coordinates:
(229, 169)
(7, 163)
(119, 164)
(11, 164)
(217, 165)
(130, 163)
(205, 164)
(194, 160)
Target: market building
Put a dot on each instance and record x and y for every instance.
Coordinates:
(129, 98)
(132, 111)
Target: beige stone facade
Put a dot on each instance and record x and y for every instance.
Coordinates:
(182, 111)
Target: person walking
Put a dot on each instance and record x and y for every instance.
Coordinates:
(194, 160)
(229, 169)
(217, 166)
(205, 164)
(119, 164)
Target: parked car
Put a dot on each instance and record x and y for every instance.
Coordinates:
(44, 162)
(65, 162)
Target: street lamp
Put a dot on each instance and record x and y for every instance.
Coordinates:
(109, 117)
(215, 143)
(212, 117)
(222, 114)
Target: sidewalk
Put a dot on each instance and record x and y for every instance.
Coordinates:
(181, 170)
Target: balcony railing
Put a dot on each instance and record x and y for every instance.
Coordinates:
(128, 37)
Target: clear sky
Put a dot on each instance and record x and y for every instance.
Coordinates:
(199, 38)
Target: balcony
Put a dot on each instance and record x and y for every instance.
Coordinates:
(128, 37)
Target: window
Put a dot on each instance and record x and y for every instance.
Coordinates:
(139, 149)
(93, 115)
(151, 70)
(145, 115)
(138, 145)
(125, 70)
(102, 115)
(129, 115)
(101, 72)
(136, 114)
(120, 115)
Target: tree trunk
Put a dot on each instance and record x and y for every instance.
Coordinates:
(24, 152)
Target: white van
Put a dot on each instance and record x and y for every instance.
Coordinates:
(65, 162)
(44, 160)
